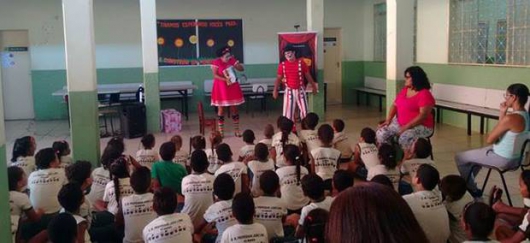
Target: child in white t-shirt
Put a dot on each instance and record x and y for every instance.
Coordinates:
(270, 210)
(62, 148)
(169, 227)
(219, 214)
(138, 208)
(341, 141)
(237, 170)
(342, 180)
(46, 181)
(282, 139)
(197, 188)
(118, 187)
(18, 201)
(325, 159)
(268, 132)
(479, 222)
(308, 134)
(79, 172)
(388, 166)
(23, 152)
(365, 155)
(427, 205)
(260, 163)
(456, 197)
(248, 149)
(147, 156)
(246, 230)
(181, 156)
(313, 187)
(71, 197)
(290, 176)
(419, 154)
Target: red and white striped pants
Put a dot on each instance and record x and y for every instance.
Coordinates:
(293, 98)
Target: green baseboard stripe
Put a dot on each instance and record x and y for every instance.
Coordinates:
(352, 77)
(316, 102)
(152, 102)
(5, 219)
(84, 126)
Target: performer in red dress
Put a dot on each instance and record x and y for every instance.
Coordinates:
(224, 92)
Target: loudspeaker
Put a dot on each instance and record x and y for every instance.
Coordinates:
(133, 120)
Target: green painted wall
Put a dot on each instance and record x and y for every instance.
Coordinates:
(5, 220)
(85, 126)
(352, 77)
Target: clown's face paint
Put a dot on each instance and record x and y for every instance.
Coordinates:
(289, 55)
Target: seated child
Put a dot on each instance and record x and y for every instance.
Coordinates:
(420, 154)
(71, 198)
(18, 201)
(117, 188)
(387, 157)
(215, 163)
(165, 173)
(268, 132)
(220, 213)
(365, 155)
(478, 220)
(341, 141)
(308, 134)
(325, 159)
(290, 176)
(63, 229)
(342, 180)
(313, 187)
(283, 138)
(46, 181)
(315, 225)
(243, 210)
(383, 180)
(101, 175)
(79, 172)
(63, 151)
(23, 152)
(181, 156)
(260, 163)
(456, 197)
(270, 210)
(147, 156)
(248, 149)
(169, 226)
(197, 188)
(237, 170)
(138, 207)
(433, 218)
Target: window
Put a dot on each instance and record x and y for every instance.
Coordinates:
(489, 32)
(380, 32)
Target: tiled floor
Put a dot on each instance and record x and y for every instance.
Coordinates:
(446, 142)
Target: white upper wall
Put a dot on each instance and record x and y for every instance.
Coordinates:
(433, 31)
(117, 26)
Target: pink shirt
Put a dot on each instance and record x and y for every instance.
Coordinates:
(409, 108)
(221, 66)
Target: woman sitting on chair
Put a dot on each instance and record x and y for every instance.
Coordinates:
(503, 136)
(410, 115)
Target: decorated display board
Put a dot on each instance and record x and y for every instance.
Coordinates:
(305, 44)
(195, 41)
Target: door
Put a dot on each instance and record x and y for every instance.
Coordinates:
(333, 64)
(16, 75)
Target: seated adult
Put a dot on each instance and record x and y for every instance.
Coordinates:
(410, 115)
(503, 136)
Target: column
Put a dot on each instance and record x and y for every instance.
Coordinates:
(150, 64)
(5, 219)
(315, 22)
(78, 19)
(399, 44)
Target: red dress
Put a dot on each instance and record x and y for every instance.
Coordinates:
(223, 94)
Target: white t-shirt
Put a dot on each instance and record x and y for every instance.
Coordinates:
(342, 143)
(198, 195)
(277, 144)
(525, 222)
(110, 198)
(412, 165)
(169, 228)
(242, 233)
(100, 179)
(182, 158)
(246, 150)
(215, 163)
(267, 141)
(325, 204)
(44, 186)
(26, 163)
(392, 174)
(137, 213)
(456, 208)
(220, 213)
(85, 211)
(291, 188)
(369, 155)
(18, 203)
(270, 212)
(310, 138)
(235, 170)
(257, 168)
(66, 161)
(431, 213)
(146, 157)
(326, 160)
(79, 220)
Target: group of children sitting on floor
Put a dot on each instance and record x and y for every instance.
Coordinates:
(288, 186)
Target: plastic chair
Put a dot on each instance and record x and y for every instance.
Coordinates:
(258, 93)
(203, 121)
(108, 108)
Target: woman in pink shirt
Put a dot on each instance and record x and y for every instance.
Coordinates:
(410, 116)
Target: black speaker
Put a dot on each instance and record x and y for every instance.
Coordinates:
(133, 120)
